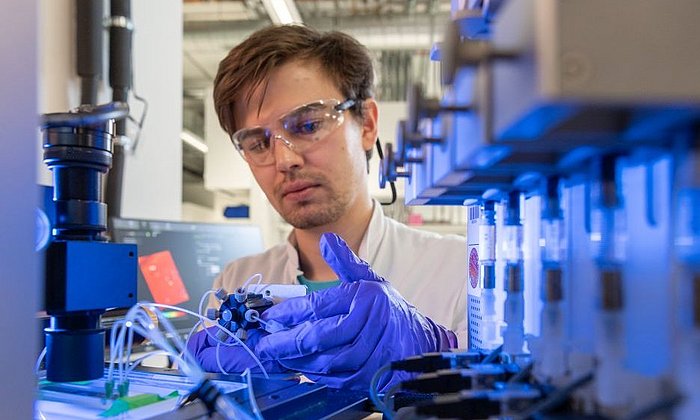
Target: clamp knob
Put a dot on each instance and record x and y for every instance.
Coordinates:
(388, 171)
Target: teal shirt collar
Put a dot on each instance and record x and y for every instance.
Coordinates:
(313, 286)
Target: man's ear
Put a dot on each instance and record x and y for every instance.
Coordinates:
(370, 128)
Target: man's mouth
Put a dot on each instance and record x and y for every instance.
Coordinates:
(298, 189)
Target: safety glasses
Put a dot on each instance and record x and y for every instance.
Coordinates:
(298, 129)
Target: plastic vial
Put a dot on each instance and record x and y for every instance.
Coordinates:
(687, 248)
(688, 369)
(551, 365)
(487, 251)
(514, 307)
(608, 237)
(514, 311)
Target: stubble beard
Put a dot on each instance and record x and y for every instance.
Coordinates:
(318, 211)
(315, 213)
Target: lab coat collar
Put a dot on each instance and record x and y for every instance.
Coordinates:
(374, 234)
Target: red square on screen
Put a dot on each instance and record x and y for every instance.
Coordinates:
(163, 279)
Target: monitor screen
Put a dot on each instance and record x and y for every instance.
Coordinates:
(179, 261)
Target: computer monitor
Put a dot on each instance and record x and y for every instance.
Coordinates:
(179, 261)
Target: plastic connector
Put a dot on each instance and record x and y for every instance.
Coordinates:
(242, 334)
(251, 315)
(213, 313)
(455, 380)
(221, 335)
(123, 389)
(240, 295)
(428, 362)
(221, 293)
(450, 381)
(109, 389)
(431, 362)
(464, 359)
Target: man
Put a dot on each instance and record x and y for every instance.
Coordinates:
(298, 105)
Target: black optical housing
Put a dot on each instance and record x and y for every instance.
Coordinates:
(85, 274)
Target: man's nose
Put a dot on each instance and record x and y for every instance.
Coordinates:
(286, 155)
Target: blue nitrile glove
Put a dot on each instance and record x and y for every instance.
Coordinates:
(341, 336)
(234, 359)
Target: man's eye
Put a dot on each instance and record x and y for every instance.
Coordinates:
(255, 146)
(306, 127)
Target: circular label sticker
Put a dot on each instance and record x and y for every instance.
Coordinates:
(474, 267)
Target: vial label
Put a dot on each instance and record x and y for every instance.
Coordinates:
(487, 242)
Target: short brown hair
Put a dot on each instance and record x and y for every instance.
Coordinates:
(249, 64)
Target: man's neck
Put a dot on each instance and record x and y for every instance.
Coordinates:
(351, 227)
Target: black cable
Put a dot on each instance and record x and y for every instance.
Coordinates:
(205, 391)
(554, 399)
(392, 185)
(120, 61)
(89, 45)
(374, 384)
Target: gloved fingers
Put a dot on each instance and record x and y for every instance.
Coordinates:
(206, 339)
(317, 305)
(395, 330)
(396, 377)
(307, 338)
(290, 312)
(444, 338)
(232, 359)
(197, 343)
(348, 266)
(316, 336)
(346, 358)
(202, 339)
(254, 335)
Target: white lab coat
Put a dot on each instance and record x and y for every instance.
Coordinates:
(429, 270)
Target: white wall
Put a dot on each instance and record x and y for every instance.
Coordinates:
(224, 168)
(59, 87)
(18, 197)
(153, 174)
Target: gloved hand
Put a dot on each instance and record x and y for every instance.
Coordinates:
(234, 359)
(341, 336)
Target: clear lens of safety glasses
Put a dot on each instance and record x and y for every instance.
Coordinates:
(298, 129)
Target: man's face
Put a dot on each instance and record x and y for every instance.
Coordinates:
(321, 184)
